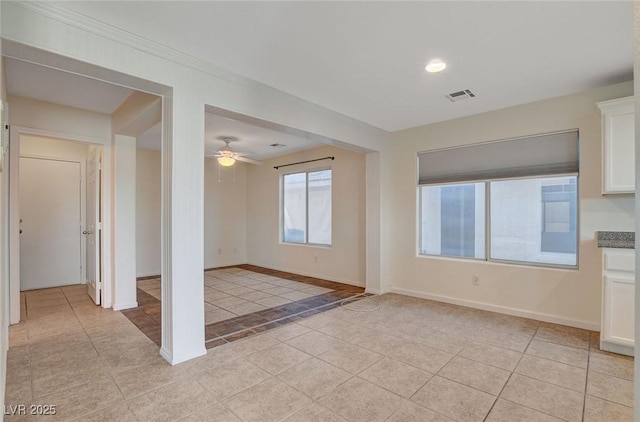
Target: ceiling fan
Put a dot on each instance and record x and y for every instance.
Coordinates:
(227, 157)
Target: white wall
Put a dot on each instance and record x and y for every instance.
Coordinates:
(344, 261)
(225, 210)
(241, 217)
(566, 296)
(225, 214)
(148, 207)
(60, 119)
(124, 220)
(53, 148)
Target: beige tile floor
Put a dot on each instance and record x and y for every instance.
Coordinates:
(410, 360)
(231, 292)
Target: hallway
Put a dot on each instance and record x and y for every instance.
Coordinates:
(68, 351)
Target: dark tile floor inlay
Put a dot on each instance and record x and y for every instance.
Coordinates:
(147, 316)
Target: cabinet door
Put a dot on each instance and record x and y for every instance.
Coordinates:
(619, 310)
(619, 147)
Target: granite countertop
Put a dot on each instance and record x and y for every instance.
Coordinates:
(624, 240)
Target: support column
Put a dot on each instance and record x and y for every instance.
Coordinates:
(372, 183)
(124, 223)
(182, 227)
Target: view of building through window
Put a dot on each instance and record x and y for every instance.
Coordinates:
(532, 220)
(453, 220)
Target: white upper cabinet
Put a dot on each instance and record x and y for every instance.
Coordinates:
(618, 146)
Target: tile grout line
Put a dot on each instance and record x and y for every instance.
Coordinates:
(111, 375)
(526, 376)
(587, 384)
(124, 399)
(437, 373)
(511, 374)
(536, 356)
(230, 409)
(415, 367)
(586, 381)
(317, 357)
(33, 395)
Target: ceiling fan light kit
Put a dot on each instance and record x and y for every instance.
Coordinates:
(227, 157)
(226, 161)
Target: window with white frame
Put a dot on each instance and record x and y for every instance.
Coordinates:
(511, 201)
(306, 207)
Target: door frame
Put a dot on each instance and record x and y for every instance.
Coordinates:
(14, 212)
(83, 201)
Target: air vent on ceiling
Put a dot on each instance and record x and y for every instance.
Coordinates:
(276, 145)
(460, 95)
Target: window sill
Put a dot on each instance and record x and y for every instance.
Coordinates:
(500, 263)
(308, 245)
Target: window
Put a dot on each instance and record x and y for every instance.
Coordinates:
(528, 226)
(306, 207)
(503, 201)
(453, 220)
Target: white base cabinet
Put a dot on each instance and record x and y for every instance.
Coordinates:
(618, 301)
(618, 146)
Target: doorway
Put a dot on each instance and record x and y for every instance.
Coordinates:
(50, 223)
(58, 184)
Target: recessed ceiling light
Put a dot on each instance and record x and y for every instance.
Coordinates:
(435, 66)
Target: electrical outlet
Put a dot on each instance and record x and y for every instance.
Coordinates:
(475, 280)
(315, 259)
(235, 250)
(219, 251)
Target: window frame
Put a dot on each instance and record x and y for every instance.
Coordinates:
(282, 207)
(487, 223)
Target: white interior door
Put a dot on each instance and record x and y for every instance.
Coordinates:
(92, 231)
(50, 210)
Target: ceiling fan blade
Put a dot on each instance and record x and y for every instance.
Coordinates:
(249, 160)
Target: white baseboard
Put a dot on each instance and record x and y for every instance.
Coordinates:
(324, 277)
(120, 307)
(150, 274)
(166, 355)
(617, 348)
(556, 319)
(224, 264)
(289, 270)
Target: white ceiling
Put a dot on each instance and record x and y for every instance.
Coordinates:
(253, 141)
(366, 59)
(45, 84)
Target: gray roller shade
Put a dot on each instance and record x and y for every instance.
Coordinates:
(538, 155)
